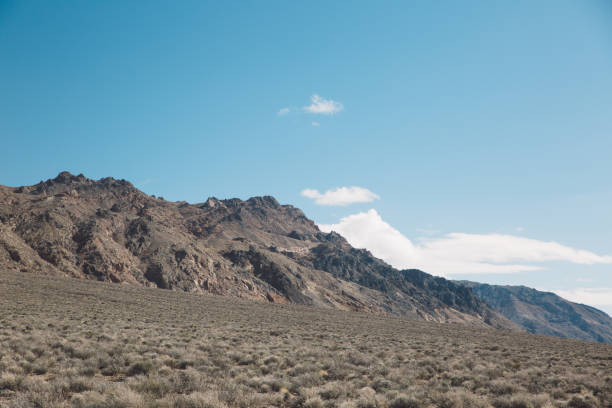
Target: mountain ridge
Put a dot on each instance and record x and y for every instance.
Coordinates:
(257, 248)
(545, 313)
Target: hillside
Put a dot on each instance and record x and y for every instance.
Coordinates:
(107, 230)
(81, 343)
(545, 313)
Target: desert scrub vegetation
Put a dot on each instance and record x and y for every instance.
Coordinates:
(75, 343)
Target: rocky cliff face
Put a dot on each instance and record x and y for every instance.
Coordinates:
(545, 313)
(108, 230)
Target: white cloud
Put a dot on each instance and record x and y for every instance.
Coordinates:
(427, 231)
(323, 106)
(316, 124)
(283, 111)
(341, 196)
(145, 182)
(588, 296)
(368, 230)
(456, 253)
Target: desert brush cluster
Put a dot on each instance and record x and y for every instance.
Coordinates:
(78, 343)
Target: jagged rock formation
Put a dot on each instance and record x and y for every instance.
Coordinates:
(108, 230)
(545, 313)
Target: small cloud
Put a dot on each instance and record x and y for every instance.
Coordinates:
(316, 124)
(341, 196)
(283, 111)
(322, 106)
(519, 229)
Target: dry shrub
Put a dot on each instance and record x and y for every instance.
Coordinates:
(522, 400)
(140, 367)
(193, 400)
(404, 401)
(582, 402)
(10, 382)
(461, 399)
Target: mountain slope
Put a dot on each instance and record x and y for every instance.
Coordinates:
(108, 230)
(545, 313)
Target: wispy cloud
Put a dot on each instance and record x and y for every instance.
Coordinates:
(601, 297)
(145, 182)
(341, 196)
(322, 106)
(427, 231)
(283, 111)
(456, 253)
(316, 124)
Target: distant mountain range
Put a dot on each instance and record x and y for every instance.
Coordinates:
(108, 230)
(545, 313)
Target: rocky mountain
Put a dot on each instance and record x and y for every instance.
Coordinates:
(108, 230)
(545, 313)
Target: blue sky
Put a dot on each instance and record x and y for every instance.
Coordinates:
(482, 119)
